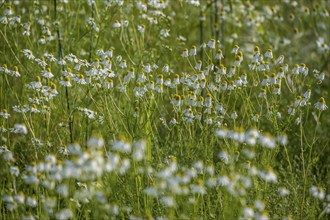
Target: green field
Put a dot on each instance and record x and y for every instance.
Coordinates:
(164, 109)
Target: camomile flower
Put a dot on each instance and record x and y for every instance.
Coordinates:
(36, 84)
(123, 64)
(47, 73)
(321, 105)
(198, 65)
(166, 68)
(280, 72)
(234, 115)
(116, 24)
(279, 60)
(219, 55)
(15, 72)
(211, 44)
(277, 89)
(235, 49)
(141, 28)
(193, 51)
(80, 79)
(307, 94)
(28, 54)
(165, 32)
(263, 93)
(66, 82)
(185, 53)
(176, 80)
(318, 75)
(147, 68)
(42, 40)
(141, 78)
(19, 129)
(4, 114)
(295, 70)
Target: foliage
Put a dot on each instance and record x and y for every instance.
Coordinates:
(164, 109)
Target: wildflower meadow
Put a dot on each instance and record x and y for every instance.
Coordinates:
(164, 109)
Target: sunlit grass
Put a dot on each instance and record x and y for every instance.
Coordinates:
(164, 109)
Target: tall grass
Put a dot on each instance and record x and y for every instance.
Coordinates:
(164, 109)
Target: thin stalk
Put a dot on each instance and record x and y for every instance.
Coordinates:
(201, 32)
(60, 56)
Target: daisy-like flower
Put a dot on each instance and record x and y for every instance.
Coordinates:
(318, 75)
(232, 71)
(15, 72)
(123, 64)
(147, 68)
(238, 81)
(198, 65)
(141, 28)
(168, 82)
(277, 89)
(211, 44)
(269, 54)
(295, 70)
(160, 79)
(116, 24)
(303, 69)
(66, 81)
(279, 60)
(80, 79)
(4, 114)
(19, 129)
(28, 54)
(165, 32)
(321, 105)
(166, 68)
(47, 73)
(193, 51)
(280, 72)
(237, 61)
(185, 53)
(307, 94)
(262, 93)
(219, 55)
(235, 49)
(36, 84)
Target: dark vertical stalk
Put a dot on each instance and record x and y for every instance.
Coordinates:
(60, 57)
(91, 36)
(212, 18)
(201, 32)
(216, 20)
(222, 26)
(91, 48)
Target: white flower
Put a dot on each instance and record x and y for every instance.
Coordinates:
(235, 49)
(20, 129)
(121, 146)
(141, 28)
(234, 115)
(321, 105)
(168, 201)
(283, 191)
(66, 82)
(165, 32)
(211, 44)
(64, 214)
(185, 53)
(193, 51)
(47, 73)
(269, 54)
(248, 212)
(116, 24)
